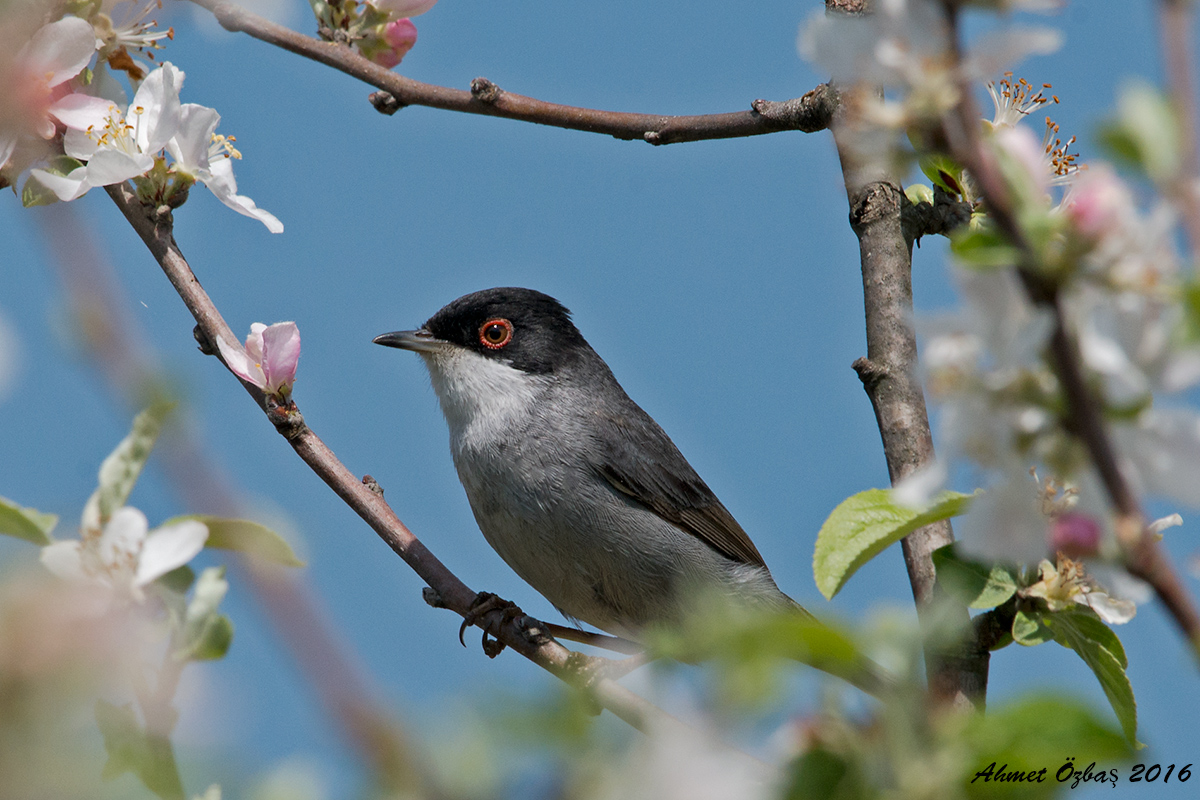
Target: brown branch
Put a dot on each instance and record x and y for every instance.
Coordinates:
(1084, 415)
(131, 370)
(521, 633)
(889, 376)
(1176, 19)
(809, 113)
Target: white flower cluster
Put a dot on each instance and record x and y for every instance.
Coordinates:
(51, 88)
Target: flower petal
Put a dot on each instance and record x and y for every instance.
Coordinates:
(158, 99)
(189, 145)
(59, 51)
(70, 187)
(169, 547)
(223, 186)
(240, 363)
(108, 166)
(122, 537)
(281, 354)
(404, 8)
(82, 111)
(1110, 609)
(64, 559)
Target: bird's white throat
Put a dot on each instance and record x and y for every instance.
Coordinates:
(481, 397)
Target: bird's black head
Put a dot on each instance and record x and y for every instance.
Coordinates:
(529, 330)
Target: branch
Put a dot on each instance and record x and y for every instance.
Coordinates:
(131, 369)
(1143, 556)
(522, 634)
(809, 113)
(889, 376)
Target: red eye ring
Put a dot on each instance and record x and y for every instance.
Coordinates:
(495, 333)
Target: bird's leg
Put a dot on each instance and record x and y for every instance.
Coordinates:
(484, 604)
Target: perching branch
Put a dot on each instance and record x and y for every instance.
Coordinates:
(522, 634)
(809, 113)
(889, 375)
(1143, 556)
(129, 367)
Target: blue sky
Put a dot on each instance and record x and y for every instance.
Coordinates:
(718, 279)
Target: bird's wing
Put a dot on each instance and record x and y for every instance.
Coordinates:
(643, 463)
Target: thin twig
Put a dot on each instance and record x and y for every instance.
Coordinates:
(809, 113)
(1144, 557)
(154, 228)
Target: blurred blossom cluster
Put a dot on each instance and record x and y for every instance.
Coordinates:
(66, 125)
(1129, 299)
(382, 30)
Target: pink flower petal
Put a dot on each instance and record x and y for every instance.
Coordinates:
(281, 355)
(239, 362)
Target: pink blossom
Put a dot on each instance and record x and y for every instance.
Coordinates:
(1098, 202)
(1075, 535)
(270, 358)
(40, 89)
(397, 38)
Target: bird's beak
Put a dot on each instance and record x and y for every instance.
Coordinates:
(419, 341)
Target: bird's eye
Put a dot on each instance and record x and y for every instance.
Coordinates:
(495, 333)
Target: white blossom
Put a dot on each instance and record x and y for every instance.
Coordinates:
(126, 555)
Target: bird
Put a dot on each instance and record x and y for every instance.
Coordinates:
(575, 486)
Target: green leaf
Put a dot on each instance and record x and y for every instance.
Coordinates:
(1101, 650)
(120, 471)
(245, 537)
(863, 525)
(35, 193)
(1146, 132)
(982, 246)
(822, 773)
(1029, 630)
(131, 749)
(124, 739)
(943, 171)
(26, 523)
(1026, 734)
(977, 585)
(919, 193)
(206, 633)
(749, 648)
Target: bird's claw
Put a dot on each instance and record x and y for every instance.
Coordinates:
(485, 603)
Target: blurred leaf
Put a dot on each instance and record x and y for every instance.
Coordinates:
(977, 585)
(1032, 734)
(178, 580)
(751, 647)
(1101, 650)
(1146, 133)
(982, 246)
(824, 774)
(26, 523)
(207, 634)
(943, 171)
(918, 193)
(120, 471)
(864, 524)
(245, 537)
(1028, 629)
(124, 739)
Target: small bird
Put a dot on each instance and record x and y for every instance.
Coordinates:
(571, 482)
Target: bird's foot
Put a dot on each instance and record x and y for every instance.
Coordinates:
(485, 603)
